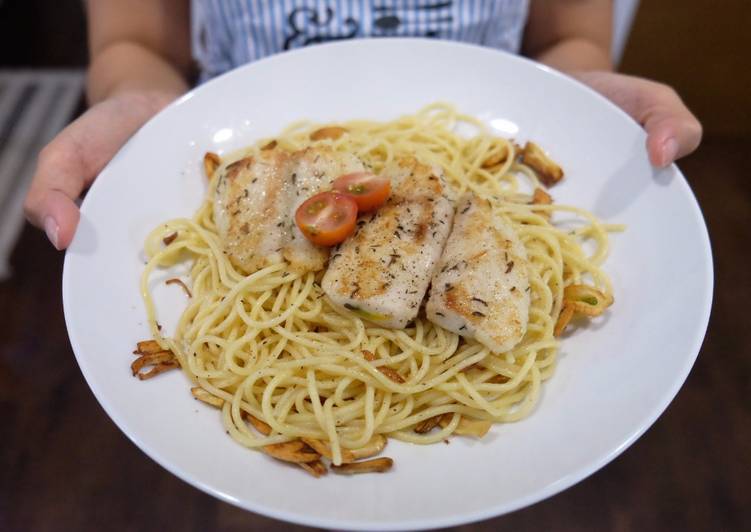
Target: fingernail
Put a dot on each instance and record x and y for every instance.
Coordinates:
(52, 230)
(669, 151)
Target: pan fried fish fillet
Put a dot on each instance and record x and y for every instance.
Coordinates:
(251, 209)
(382, 271)
(256, 199)
(312, 171)
(480, 288)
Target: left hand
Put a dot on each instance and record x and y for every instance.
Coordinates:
(672, 130)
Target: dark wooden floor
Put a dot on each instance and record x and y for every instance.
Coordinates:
(65, 466)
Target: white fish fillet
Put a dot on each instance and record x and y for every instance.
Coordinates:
(480, 288)
(312, 171)
(251, 209)
(256, 199)
(383, 271)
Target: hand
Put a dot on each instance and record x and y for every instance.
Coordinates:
(672, 130)
(73, 159)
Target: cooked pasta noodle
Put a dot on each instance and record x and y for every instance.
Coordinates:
(270, 344)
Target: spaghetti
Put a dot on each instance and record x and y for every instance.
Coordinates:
(270, 347)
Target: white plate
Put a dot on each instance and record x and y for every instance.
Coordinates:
(613, 379)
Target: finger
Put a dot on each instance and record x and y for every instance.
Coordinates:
(58, 181)
(672, 131)
(60, 219)
(78, 154)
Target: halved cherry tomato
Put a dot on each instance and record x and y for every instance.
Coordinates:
(327, 218)
(368, 190)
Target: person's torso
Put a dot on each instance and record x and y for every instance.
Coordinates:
(229, 33)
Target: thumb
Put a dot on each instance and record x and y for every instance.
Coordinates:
(80, 151)
(58, 181)
(61, 216)
(672, 130)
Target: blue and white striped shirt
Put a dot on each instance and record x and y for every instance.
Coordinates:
(229, 33)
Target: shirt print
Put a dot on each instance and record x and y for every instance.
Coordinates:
(229, 33)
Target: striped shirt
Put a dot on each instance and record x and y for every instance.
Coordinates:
(229, 33)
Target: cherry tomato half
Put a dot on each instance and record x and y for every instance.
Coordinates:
(368, 190)
(327, 218)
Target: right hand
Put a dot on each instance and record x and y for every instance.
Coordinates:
(73, 159)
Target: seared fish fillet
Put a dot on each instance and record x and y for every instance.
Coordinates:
(312, 171)
(251, 209)
(256, 199)
(480, 288)
(382, 271)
